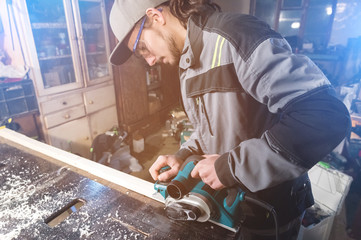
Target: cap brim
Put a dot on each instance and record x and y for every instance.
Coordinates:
(120, 54)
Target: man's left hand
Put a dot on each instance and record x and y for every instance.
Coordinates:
(205, 170)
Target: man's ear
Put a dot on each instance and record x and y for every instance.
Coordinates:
(156, 15)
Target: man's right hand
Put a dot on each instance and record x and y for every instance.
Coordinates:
(162, 161)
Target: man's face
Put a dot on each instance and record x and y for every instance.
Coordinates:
(155, 44)
(161, 46)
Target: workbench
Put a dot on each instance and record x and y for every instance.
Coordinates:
(47, 193)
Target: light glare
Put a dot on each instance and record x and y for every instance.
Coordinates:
(295, 25)
(329, 10)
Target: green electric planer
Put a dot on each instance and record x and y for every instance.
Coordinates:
(190, 199)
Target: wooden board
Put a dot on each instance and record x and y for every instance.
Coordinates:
(35, 185)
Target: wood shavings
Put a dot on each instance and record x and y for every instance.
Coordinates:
(33, 189)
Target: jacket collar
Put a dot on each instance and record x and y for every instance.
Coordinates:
(193, 44)
(187, 58)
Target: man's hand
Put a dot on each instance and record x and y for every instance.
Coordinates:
(205, 170)
(162, 161)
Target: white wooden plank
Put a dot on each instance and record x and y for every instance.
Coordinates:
(109, 174)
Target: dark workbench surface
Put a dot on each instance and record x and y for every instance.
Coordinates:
(32, 189)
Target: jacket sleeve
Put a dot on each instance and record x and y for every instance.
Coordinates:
(312, 121)
(190, 147)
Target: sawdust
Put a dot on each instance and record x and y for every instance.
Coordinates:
(18, 211)
(30, 195)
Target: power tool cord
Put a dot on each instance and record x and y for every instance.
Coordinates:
(269, 208)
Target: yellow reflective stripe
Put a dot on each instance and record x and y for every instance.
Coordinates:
(215, 52)
(220, 52)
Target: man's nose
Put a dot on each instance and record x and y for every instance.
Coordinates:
(151, 60)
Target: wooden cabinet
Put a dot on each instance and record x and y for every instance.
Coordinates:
(66, 45)
(63, 116)
(76, 119)
(99, 98)
(100, 121)
(144, 106)
(61, 102)
(73, 136)
(76, 136)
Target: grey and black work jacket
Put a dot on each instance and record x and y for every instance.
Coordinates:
(269, 113)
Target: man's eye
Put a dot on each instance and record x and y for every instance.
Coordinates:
(142, 47)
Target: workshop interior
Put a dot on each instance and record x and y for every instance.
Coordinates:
(78, 134)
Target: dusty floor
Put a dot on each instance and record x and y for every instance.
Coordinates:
(157, 144)
(160, 143)
(338, 231)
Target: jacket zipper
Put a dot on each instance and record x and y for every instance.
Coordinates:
(204, 110)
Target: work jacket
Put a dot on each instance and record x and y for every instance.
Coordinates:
(269, 113)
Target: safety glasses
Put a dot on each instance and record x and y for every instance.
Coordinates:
(140, 48)
(136, 50)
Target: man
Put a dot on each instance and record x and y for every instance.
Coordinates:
(262, 115)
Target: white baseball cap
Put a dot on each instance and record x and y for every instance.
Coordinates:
(123, 16)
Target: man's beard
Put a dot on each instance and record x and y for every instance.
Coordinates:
(174, 51)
